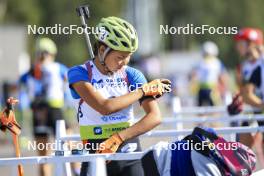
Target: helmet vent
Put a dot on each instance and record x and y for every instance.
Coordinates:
(117, 34)
(125, 33)
(113, 42)
(130, 30)
(125, 25)
(106, 28)
(120, 23)
(124, 44)
(113, 24)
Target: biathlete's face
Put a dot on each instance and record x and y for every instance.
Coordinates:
(253, 51)
(242, 47)
(42, 56)
(115, 60)
(248, 50)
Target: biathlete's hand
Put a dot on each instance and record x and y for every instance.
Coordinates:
(110, 145)
(156, 88)
(12, 101)
(236, 106)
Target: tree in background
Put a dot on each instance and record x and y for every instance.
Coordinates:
(71, 48)
(238, 13)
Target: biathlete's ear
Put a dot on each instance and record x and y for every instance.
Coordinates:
(101, 49)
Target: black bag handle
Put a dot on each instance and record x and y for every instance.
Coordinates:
(195, 139)
(211, 136)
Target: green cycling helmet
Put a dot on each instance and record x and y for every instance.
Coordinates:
(117, 34)
(46, 45)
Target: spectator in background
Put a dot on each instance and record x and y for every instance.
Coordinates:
(249, 44)
(151, 66)
(244, 38)
(45, 82)
(211, 76)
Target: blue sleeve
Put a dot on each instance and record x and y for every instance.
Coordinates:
(63, 71)
(135, 78)
(23, 78)
(77, 74)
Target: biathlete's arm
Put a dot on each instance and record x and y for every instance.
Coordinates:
(102, 105)
(248, 89)
(147, 123)
(250, 97)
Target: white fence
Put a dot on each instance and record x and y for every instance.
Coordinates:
(62, 162)
(97, 161)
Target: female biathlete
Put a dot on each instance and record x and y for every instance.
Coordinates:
(249, 43)
(104, 90)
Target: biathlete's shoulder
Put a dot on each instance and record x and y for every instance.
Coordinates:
(24, 77)
(133, 72)
(77, 73)
(135, 76)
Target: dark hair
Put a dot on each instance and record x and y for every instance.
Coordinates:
(96, 47)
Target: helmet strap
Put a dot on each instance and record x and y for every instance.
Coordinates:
(102, 60)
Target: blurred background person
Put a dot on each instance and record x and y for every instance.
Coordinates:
(211, 76)
(45, 82)
(150, 66)
(249, 42)
(245, 38)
